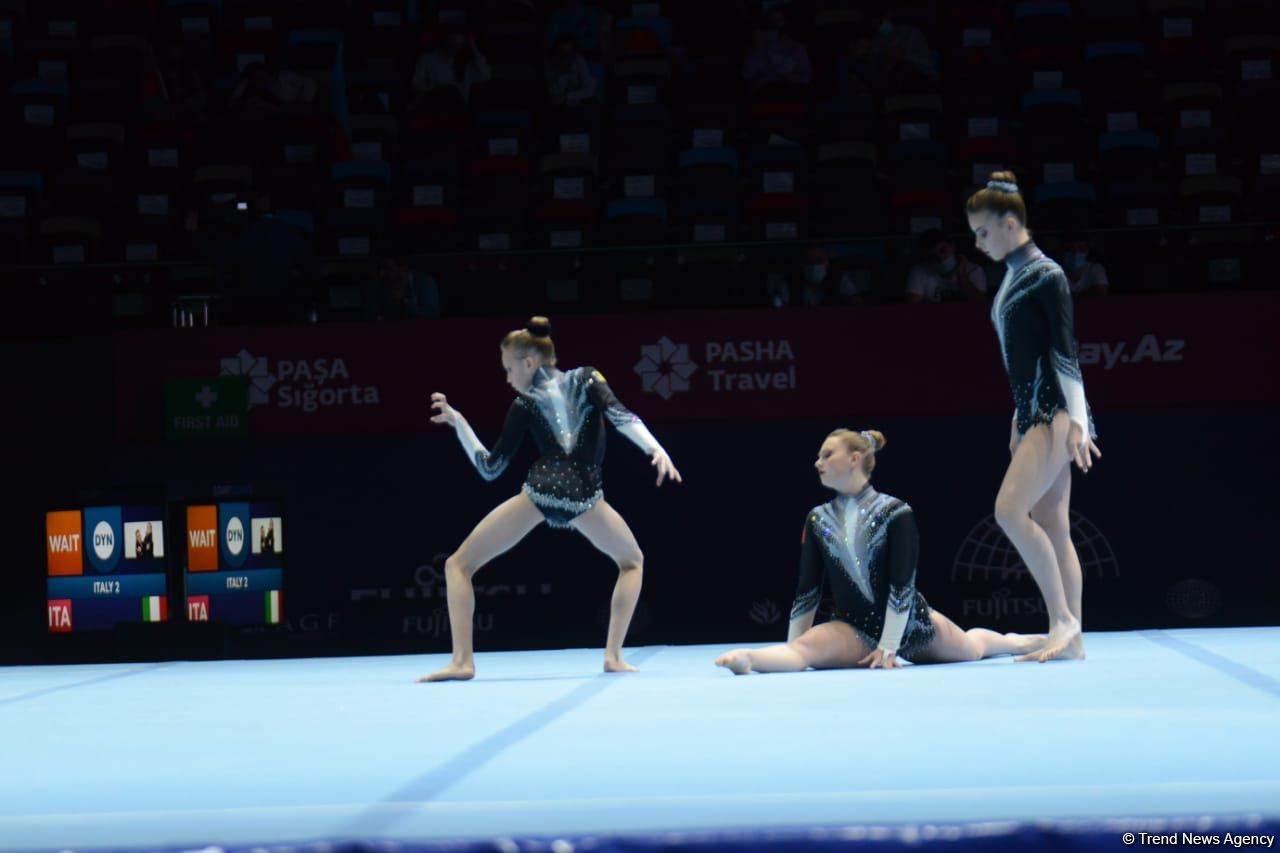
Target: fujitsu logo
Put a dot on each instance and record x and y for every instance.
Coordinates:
(998, 583)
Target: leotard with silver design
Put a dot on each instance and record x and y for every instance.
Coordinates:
(1033, 317)
(565, 411)
(866, 546)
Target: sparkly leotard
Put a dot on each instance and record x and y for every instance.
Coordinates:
(866, 547)
(1032, 314)
(566, 412)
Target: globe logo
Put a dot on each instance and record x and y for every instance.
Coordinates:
(1008, 592)
(987, 554)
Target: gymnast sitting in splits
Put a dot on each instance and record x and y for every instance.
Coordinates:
(865, 545)
(565, 411)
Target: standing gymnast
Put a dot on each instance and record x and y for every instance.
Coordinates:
(565, 411)
(865, 545)
(1051, 425)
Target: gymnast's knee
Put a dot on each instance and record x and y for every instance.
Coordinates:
(458, 568)
(633, 562)
(1009, 511)
(801, 647)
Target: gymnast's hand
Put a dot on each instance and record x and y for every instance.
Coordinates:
(1081, 447)
(445, 414)
(880, 659)
(665, 467)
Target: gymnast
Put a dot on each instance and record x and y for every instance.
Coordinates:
(1051, 425)
(865, 544)
(565, 411)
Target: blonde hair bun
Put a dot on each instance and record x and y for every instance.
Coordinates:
(539, 327)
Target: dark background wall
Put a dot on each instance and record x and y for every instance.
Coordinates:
(1172, 526)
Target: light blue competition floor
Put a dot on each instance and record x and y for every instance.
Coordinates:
(1155, 723)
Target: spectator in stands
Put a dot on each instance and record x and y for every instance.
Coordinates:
(824, 287)
(777, 58)
(587, 25)
(272, 264)
(815, 283)
(265, 90)
(455, 61)
(569, 79)
(900, 56)
(641, 41)
(848, 72)
(1088, 278)
(252, 94)
(194, 242)
(778, 289)
(181, 86)
(811, 283)
(942, 273)
(854, 287)
(403, 292)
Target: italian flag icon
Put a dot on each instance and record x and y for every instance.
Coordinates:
(155, 608)
(273, 606)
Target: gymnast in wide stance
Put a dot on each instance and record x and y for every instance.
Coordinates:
(565, 411)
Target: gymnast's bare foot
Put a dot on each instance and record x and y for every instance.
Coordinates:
(1026, 643)
(737, 661)
(617, 665)
(1063, 643)
(452, 672)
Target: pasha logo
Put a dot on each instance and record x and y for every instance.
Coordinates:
(260, 378)
(664, 368)
(731, 366)
(766, 365)
(309, 384)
